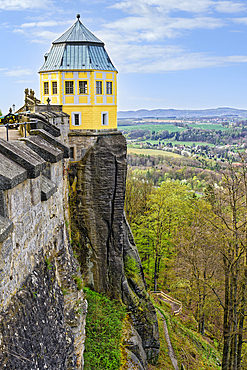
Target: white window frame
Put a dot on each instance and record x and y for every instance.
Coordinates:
(108, 87)
(69, 86)
(104, 117)
(54, 87)
(73, 118)
(46, 87)
(99, 87)
(84, 87)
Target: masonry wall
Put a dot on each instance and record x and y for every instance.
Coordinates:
(42, 309)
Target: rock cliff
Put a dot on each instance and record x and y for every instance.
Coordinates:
(103, 240)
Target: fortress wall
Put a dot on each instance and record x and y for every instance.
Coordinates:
(36, 225)
(39, 291)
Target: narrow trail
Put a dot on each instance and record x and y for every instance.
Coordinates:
(169, 345)
(176, 307)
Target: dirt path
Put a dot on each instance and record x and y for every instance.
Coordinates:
(169, 345)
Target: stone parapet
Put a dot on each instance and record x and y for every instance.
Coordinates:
(50, 138)
(44, 149)
(22, 155)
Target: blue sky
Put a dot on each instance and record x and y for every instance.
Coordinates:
(184, 54)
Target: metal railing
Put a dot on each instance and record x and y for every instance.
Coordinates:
(16, 124)
(172, 300)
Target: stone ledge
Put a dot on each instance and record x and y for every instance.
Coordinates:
(94, 133)
(48, 137)
(11, 173)
(43, 148)
(48, 188)
(22, 155)
(6, 227)
(44, 124)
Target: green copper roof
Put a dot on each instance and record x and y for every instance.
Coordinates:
(77, 49)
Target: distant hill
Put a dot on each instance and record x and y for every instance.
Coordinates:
(176, 113)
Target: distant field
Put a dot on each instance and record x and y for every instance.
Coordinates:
(208, 126)
(165, 141)
(152, 152)
(153, 127)
(173, 128)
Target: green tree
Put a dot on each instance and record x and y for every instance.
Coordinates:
(229, 209)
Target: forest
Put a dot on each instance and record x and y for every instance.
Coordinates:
(190, 226)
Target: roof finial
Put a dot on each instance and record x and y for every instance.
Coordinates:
(78, 16)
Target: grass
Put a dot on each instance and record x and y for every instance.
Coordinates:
(103, 332)
(173, 128)
(153, 152)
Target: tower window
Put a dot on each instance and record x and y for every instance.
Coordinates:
(99, 87)
(76, 119)
(71, 152)
(54, 87)
(109, 88)
(46, 88)
(69, 87)
(104, 118)
(82, 87)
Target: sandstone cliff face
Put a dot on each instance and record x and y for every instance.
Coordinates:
(103, 239)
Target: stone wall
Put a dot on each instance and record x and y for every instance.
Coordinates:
(42, 311)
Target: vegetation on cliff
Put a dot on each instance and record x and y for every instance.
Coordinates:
(103, 332)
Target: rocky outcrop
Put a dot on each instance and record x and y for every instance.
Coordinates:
(102, 238)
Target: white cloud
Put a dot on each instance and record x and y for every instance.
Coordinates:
(24, 81)
(18, 72)
(38, 32)
(159, 59)
(230, 7)
(43, 24)
(193, 6)
(23, 4)
(157, 28)
(241, 20)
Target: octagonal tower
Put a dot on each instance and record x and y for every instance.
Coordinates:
(79, 75)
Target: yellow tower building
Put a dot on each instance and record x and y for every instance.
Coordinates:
(79, 75)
